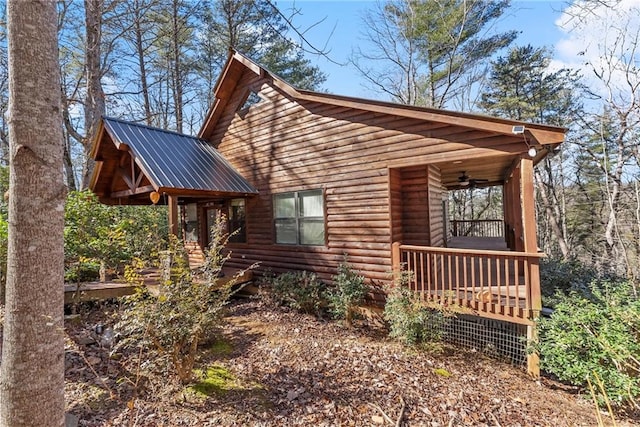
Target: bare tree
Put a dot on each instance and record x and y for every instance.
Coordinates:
(611, 132)
(32, 371)
(427, 52)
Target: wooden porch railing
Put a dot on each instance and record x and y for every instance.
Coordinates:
(477, 228)
(498, 284)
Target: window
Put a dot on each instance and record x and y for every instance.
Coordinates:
(299, 218)
(191, 222)
(252, 99)
(237, 221)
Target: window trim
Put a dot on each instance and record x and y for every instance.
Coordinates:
(298, 218)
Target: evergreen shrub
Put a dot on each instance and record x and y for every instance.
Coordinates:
(349, 291)
(300, 290)
(410, 320)
(596, 333)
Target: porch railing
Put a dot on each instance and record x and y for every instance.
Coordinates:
(477, 228)
(498, 284)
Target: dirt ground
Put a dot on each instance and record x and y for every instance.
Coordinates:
(275, 367)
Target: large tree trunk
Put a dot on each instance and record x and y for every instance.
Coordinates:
(32, 371)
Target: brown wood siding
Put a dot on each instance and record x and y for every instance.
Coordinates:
(415, 206)
(395, 205)
(436, 214)
(281, 145)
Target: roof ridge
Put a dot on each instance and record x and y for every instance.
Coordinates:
(154, 128)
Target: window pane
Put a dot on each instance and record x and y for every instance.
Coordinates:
(239, 234)
(311, 232)
(286, 231)
(285, 205)
(311, 204)
(191, 226)
(236, 210)
(237, 221)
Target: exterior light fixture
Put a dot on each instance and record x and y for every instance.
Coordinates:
(154, 196)
(532, 151)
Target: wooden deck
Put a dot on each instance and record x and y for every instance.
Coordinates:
(476, 274)
(479, 243)
(92, 291)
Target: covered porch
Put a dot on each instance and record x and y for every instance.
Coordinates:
(483, 267)
(142, 165)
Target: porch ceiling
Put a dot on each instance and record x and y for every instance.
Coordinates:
(493, 169)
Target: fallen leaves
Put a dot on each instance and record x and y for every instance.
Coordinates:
(299, 371)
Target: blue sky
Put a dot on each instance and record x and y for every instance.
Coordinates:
(534, 19)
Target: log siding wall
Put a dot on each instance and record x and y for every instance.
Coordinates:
(281, 145)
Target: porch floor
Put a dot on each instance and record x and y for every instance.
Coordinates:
(91, 291)
(482, 243)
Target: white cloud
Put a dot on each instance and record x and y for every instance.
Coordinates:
(601, 37)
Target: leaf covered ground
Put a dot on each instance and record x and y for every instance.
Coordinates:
(274, 367)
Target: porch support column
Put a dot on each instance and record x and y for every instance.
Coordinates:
(531, 246)
(173, 215)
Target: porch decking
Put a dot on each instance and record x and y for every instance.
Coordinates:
(477, 275)
(92, 291)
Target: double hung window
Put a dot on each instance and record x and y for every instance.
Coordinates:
(299, 218)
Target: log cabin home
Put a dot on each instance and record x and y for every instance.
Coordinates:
(307, 177)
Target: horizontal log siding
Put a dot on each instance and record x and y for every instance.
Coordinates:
(436, 214)
(395, 205)
(280, 145)
(415, 206)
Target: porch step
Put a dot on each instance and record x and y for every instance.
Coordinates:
(195, 254)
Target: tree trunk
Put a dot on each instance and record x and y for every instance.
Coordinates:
(177, 66)
(94, 107)
(550, 206)
(69, 173)
(32, 371)
(142, 66)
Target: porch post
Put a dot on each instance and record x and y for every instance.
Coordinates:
(531, 246)
(395, 259)
(173, 215)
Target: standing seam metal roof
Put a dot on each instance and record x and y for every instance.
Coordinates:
(174, 160)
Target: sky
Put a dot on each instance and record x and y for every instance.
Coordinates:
(337, 26)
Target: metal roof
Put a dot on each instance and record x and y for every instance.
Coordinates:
(174, 160)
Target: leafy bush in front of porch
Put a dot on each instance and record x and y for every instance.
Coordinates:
(596, 333)
(410, 320)
(349, 291)
(186, 312)
(300, 290)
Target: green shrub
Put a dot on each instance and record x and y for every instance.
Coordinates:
(111, 235)
(185, 313)
(349, 291)
(300, 290)
(597, 333)
(82, 271)
(410, 321)
(560, 277)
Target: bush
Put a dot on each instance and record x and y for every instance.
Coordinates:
(300, 290)
(563, 277)
(110, 235)
(85, 270)
(409, 319)
(597, 333)
(187, 311)
(349, 291)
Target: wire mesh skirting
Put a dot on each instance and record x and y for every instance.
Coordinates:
(498, 339)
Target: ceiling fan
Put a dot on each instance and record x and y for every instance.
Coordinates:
(466, 181)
